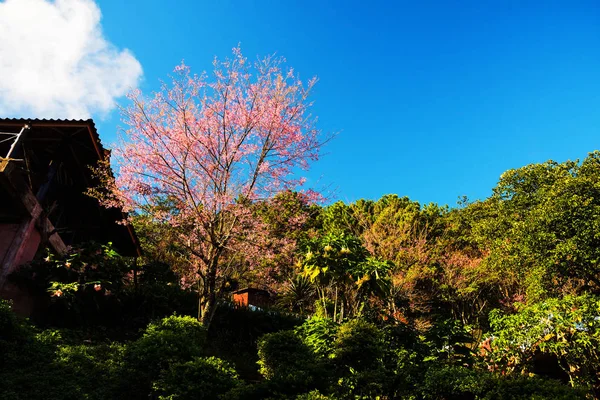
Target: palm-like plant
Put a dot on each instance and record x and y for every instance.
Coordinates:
(340, 267)
(298, 295)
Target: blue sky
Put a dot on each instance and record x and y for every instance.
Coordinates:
(432, 100)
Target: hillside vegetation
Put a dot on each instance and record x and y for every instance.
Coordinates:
(387, 299)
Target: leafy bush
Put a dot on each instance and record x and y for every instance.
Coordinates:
(90, 372)
(513, 388)
(448, 341)
(568, 328)
(169, 341)
(94, 288)
(314, 395)
(358, 345)
(462, 383)
(319, 334)
(95, 371)
(358, 360)
(234, 333)
(403, 360)
(11, 327)
(201, 378)
(14, 333)
(80, 288)
(21, 357)
(288, 362)
(454, 383)
(58, 370)
(92, 266)
(20, 345)
(261, 390)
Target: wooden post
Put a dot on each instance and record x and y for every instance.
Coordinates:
(18, 245)
(31, 210)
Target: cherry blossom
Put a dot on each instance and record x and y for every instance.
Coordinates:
(212, 147)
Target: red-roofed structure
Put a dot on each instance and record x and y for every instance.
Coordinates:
(252, 297)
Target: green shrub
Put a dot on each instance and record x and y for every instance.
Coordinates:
(261, 390)
(358, 360)
(40, 366)
(23, 359)
(462, 383)
(82, 287)
(157, 295)
(404, 371)
(403, 360)
(358, 345)
(319, 334)
(169, 341)
(288, 362)
(455, 383)
(323, 308)
(13, 333)
(202, 378)
(88, 372)
(449, 342)
(11, 327)
(314, 395)
(172, 339)
(20, 346)
(234, 333)
(568, 328)
(513, 388)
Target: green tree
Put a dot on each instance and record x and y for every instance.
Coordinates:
(540, 229)
(568, 328)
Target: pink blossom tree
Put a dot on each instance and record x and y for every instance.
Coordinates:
(210, 148)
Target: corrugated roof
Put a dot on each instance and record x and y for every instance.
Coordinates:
(49, 122)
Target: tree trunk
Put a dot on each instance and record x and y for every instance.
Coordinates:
(322, 296)
(208, 305)
(335, 305)
(207, 310)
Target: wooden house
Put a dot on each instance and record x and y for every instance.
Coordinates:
(44, 174)
(252, 297)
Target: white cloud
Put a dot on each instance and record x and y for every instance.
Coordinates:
(55, 62)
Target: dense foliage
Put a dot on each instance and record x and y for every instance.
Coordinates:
(388, 299)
